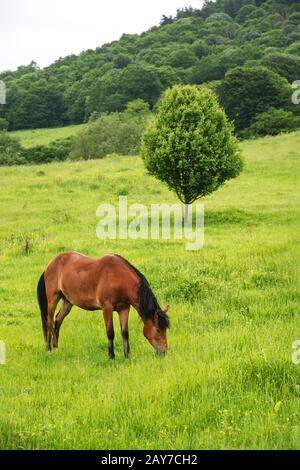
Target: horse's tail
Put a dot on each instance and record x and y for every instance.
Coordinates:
(43, 303)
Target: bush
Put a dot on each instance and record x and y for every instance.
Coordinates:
(10, 150)
(4, 124)
(272, 122)
(58, 150)
(112, 133)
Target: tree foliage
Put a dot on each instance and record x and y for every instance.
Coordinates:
(190, 145)
(248, 91)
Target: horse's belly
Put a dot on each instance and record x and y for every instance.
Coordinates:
(89, 308)
(81, 295)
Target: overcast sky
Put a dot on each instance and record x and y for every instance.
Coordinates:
(44, 30)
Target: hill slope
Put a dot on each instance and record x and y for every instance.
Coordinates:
(196, 46)
(33, 137)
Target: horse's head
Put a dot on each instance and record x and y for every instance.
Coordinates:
(155, 330)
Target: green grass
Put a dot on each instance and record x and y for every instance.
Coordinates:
(33, 137)
(228, 380)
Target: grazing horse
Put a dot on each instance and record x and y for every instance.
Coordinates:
(109, 284)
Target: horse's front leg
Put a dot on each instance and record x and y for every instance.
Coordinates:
(123, 316)
(109, 324)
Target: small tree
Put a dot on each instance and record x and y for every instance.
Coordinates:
(190, 145)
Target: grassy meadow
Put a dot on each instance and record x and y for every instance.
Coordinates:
(228, 380)
(33, 137)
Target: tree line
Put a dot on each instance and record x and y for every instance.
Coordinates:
(248, 51)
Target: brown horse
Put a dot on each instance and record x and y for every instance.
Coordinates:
(109, 284)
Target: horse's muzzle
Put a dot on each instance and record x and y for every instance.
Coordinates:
(161, 352)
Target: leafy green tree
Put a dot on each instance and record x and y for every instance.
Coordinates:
(183, 57)
(122, 60)
(190, 145)
(233, 7)
(137, 109)
(166, 20)
(286, 65)
(37, 102)
(248, 91)
(222, 24)
(140, 81)
(200, 48)
(294, 48)
(245, 12)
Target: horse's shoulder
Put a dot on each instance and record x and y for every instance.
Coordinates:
(109, 260)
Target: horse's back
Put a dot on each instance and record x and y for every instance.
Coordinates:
(89, 282)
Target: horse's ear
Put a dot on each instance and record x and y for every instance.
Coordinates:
(166, 309)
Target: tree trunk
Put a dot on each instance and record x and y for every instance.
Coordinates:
(186, 212)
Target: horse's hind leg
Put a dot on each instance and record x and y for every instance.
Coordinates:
(52, 303)
(63, 312)
(109, 324)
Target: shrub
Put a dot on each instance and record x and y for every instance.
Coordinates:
(272, 122)
(10, 150)
(111, 133)
(4, 124)
(55, 151)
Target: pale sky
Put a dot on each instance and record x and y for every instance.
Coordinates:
(44, 30)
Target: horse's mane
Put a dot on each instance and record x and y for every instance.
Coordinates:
(148, 304)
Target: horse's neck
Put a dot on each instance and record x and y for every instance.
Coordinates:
(135, 303)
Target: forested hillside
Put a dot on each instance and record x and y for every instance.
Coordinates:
(262, 38)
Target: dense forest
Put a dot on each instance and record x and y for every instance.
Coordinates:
(247, 50)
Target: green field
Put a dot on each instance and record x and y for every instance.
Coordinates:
(228, 380)
(33, 137)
